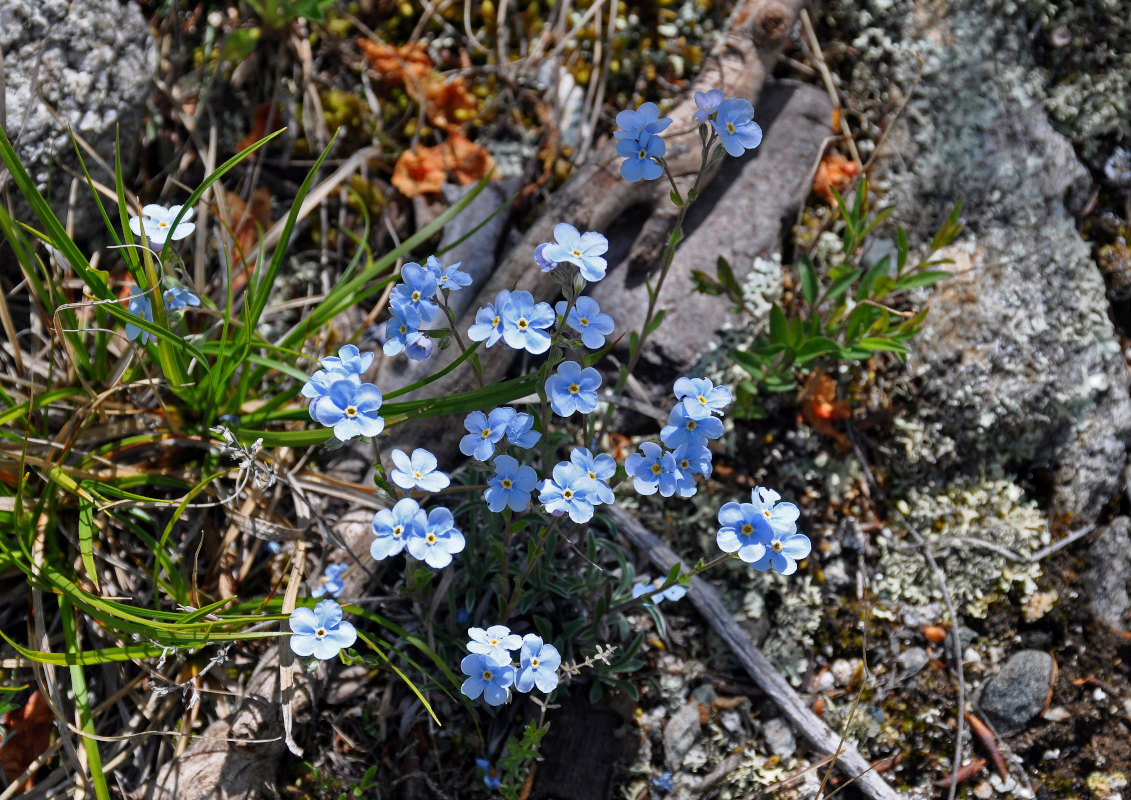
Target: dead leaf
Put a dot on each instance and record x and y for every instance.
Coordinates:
(265, 112)
(30, 736)
(449, 104)
(408, 64)
(834, 172)
(419, 171)
(466, 160)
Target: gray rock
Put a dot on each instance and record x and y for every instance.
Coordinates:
(87, 62)
(1019, 364)
(766, 184)
(680, 733)
(1018, 693)
(912, 660)
(779, 737)
(1108, 579)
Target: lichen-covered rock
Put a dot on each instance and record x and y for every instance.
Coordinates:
(86, 61)
(1108, 580)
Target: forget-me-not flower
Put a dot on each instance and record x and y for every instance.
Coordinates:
(321, 633)
(525, 323)
(511, 485)
(783, 553)
(178, 298)
(487, 678)
(600, 468)
(545, 264)
(484, 431)
(139, 305)
(441, 540)
(701, 398)
(639, 157)
(331, 582)
(350, 409)
(418, 471)
(673, 592)
(587, 319)
(494, 642)
(571, 492)
(572, 389)
(734, 122)
(683, 429)
(652, 470)
(417, 291)
(401, 329)
(488, 326)
(418, 347)
(645, 119)
(520, 431)
(708, 103)
(156, 223)
(396, 526)
(490, 779)
(450, 277)
(348, 361)
(583, 250)
(538, 665)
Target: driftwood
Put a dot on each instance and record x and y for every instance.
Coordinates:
(596, 198)
(768, 679)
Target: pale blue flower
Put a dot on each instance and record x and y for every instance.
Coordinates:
(572, 389)
(331, 582)
(487, 678)
(570, 492)
(396, 526)
(587, 319)
(652, 470)
(349, 361)
(701, 398)
(645, 119)
(401, 329)
(418, 347)
(490, 779)
(646, 585)
(682, 429)
(583, 250)
(350, 409)
(488, 326)
(511, 485)
(600, 468)
(418, 471)
(484, 431)
(690, 460)
(178, 298)
(156, 222)
(734, 122)
(763, 532)
(707, 103)
(494, 642)
(520, 431)
(320, 382)
(663, 783)
(140, 306)
(545, 264)
(417, 291)
(538, 665)
(450, 277)
(441, 540)
(639, 157)
(321, 633)
(525, 323)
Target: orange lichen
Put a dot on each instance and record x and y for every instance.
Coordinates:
(465, 160)
(834, 172)
(419, 171)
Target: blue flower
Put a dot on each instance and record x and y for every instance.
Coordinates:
(573, 389)
(140, 306)
(441, 540)
(348, 361)
(490, 779)
(583, 250)
(663, 783)
(525, 323)
(587, 319)
(701, 398)
(545, 264)
(538, 665)
(750, 528)
(331, 581)
(520, 431)
(673, 593)
(653, 470)
(487, 678)
(395, 527)
(570, 492)
(321, 633)
(600, 468)
(645, 119)
(157, 223)
(494, 642)
(483, 432)
(450, 277)
(690, 460)
(177, 298)
(682, 429)
(418, 347)
(318, 385)
(350, 409)
(418, 472)
(783, 553)
(417, 291)
(401, 329)
(639, 155)
(708, 103)
(511, 485)
(734, 122)
(488, 326)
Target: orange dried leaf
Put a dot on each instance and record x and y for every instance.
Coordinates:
(259, 125)
(30, 729)
(419, 171)
(450, 105)
(408, 64)
(834, 172)
(467, 161)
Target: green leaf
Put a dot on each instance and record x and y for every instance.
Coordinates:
(917, 279)
(86, 536)
(859, 321)
(808, 273)
(676, 199)
(840, 286)
(655, 323)
(796, 333)
(705, 283)
(676, 237)
(949, 230)
(814, 348)
(881, 267)
(727, 279)
(779, 328)
(901, 250)
(879, 343)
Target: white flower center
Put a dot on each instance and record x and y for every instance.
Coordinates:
(487, 675)
(776, 544)
(567, 494)
(398, 531)
(486, 433)
(522, 323)
(416, 297)
(351, 411)
(534, 662)
(320, 633)
(430, 538)
(584, 322)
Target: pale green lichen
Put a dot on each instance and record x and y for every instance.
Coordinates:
(795, 622)
(967, 527)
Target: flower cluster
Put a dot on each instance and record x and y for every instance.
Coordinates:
(763, 532)
(646, 585)
(491, 673)
(691, 424)
(338, 398)
(416, 302)
(732, 119)
(484, 431)
(429, 537)
(140, 305)
(639, 142)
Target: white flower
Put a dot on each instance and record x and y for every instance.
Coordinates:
(157, 222)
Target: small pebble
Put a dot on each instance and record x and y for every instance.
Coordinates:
(912, 660)
(1018, 692)
(779, 737)
(844, 671)
(984, 791)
